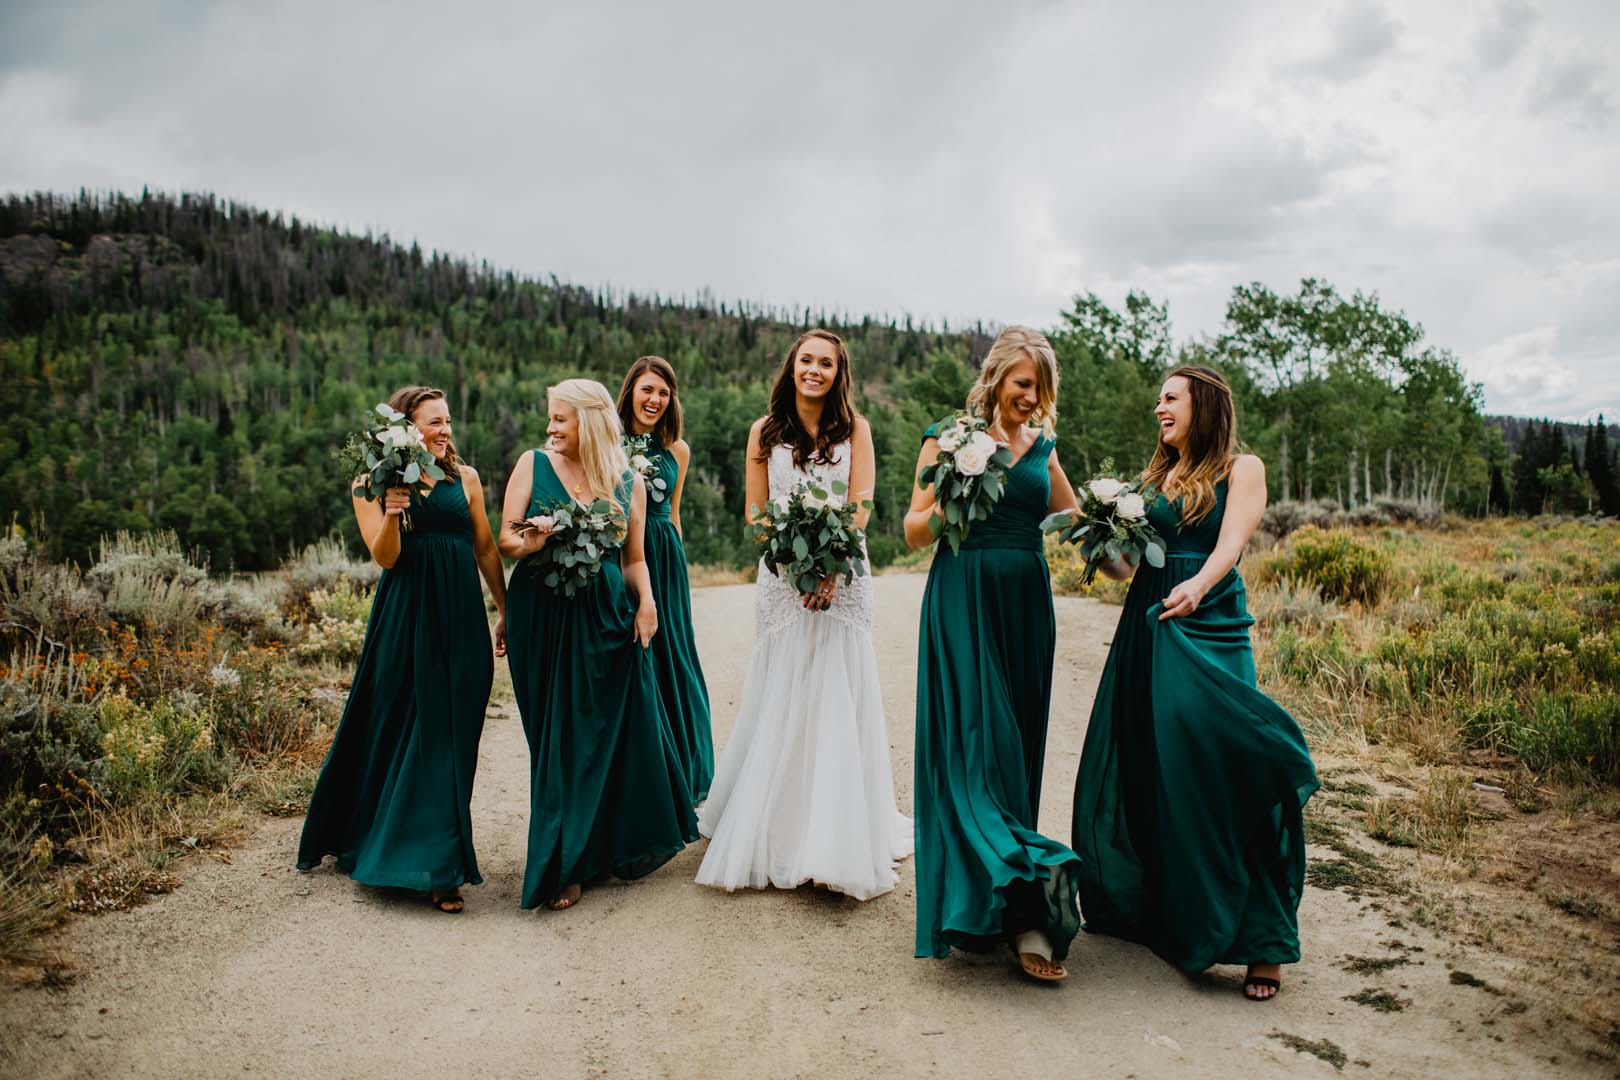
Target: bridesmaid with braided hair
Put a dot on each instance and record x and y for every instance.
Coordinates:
(1187, 808)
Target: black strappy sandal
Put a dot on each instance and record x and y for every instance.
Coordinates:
(443, 902)
(1258, 982)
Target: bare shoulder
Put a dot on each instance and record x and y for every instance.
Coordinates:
(1248, 470)
(863, 427)
(469, 475)
(681, 450)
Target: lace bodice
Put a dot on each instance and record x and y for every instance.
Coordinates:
(777, 603)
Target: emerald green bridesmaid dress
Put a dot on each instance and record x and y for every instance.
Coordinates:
(674, 650)
(1187, 809)
(392, 799)
(608, 792)
(984, 683)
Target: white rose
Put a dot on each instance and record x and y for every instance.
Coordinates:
(1106, 489)
(971, 460)
(950, 439)
(413, 436)
(1130, 505)
(984, 442)
(640, 463)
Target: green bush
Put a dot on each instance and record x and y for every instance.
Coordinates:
(157, 749)
(1341, 567)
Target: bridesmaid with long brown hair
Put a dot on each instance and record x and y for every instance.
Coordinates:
(650, 406)
(1188, 806)
(392, 802)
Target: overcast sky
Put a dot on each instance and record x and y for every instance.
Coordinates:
(948, 160)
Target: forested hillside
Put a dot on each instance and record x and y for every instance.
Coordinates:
(188, 363)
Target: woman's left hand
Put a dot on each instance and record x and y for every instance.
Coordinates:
(646, 624)
(1183, 599)
(822, 598)
(500, 636)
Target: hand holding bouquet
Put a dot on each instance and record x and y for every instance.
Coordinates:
(806, 535)
(388, 454)
(1110, 523)
(968, 478)
(638, 448)
(574, 542)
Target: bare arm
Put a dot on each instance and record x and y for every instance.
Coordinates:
(634, 565)
(683, 459)
(514, 505)
(379, 525)
(923, 504)
(862, 469)
(484, 550)
(1245, 506)
(756, 479)
(1062, 497)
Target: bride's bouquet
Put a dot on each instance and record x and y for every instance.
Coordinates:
(805, 536)
(389, 453)
(1110, 523)
(968, 478)
(638, 448)
(580, 539)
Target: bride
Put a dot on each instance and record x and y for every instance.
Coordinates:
(802, 791)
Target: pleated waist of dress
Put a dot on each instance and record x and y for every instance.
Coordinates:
(413, 537)
(997, 540)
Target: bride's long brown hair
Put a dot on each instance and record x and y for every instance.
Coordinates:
(1211, 444)
(782, 424)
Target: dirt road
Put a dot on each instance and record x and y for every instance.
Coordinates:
(252, 969)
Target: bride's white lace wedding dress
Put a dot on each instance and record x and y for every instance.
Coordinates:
(803, 790)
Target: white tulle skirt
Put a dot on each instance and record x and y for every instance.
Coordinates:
(803, 791)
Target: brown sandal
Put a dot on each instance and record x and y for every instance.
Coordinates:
(450, 903)
(564, 902)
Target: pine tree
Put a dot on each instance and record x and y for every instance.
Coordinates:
(1600, 468)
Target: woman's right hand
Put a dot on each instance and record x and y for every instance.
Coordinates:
(396, 502)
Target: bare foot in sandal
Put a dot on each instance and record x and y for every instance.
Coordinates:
(451, 903)
(570, 897)
(1263, 982)
(1035, 957)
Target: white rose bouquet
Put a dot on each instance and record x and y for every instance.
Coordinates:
(638, 448)
(389, 453)
(1111, 522)
(968, 478)
(578, 540)
(810, 533)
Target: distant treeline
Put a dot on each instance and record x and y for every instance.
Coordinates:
(189, 363)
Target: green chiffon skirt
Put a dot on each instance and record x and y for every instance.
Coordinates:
(608, 792)
(984, 683)
(675, 656)
(1188, 806)
(392, 802)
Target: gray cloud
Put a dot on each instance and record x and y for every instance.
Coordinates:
(1503, 33)
(1360, 34)
(1573, 83)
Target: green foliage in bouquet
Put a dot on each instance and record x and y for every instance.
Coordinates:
(638, 448)
(804, 536)
(1111, 523)
(581, 539)
(388, 454)
(969, 476)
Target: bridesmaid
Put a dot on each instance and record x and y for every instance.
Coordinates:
(984, 683)
(650, 405)
(608, 792)
(392, 799)
(1187, 809)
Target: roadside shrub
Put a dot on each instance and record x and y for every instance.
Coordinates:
(1340, 567)
(320, 567)
(1286, 516)
(154, 750)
